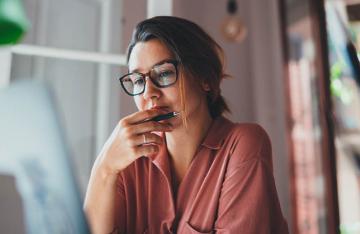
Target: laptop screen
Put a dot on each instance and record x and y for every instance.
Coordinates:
(33, 151)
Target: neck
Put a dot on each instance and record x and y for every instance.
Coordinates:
(182, 143)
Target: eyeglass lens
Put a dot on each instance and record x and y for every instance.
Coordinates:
(162, 75)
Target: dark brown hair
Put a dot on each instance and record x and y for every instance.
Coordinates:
(198, 54)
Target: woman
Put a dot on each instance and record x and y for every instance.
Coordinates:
(194, 173)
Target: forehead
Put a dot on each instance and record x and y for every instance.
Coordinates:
(145, 54)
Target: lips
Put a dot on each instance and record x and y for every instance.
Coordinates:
(164, 108)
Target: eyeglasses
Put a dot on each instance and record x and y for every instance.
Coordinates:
(162, 75)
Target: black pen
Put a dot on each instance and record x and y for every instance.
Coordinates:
(163, 117)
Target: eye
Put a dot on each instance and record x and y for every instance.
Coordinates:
(126, 80)
(138, 81)
(165, 74)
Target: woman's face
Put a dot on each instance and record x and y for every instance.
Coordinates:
(143, 57)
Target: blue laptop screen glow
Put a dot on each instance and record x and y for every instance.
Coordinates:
(32, 149)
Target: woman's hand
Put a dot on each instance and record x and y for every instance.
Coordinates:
(124, 146)
(131, 139)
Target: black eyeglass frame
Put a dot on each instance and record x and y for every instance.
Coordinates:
(144, 75)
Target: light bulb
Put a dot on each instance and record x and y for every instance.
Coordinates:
(233, 29)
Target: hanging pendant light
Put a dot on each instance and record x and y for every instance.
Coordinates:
(13, 22)
(232, 28)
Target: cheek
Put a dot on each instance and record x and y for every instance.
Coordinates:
(173, 93)
(174, 98)
(194, 98)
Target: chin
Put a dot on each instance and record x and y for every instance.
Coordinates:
(176, 122)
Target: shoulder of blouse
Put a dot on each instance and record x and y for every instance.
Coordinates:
(248, 142)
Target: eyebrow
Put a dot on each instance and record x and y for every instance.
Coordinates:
(154, 65)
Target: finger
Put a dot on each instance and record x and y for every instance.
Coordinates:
(147, 138)
(145, 150)
(143, 115)
(150, 126)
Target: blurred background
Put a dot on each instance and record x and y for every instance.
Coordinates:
(294, 67)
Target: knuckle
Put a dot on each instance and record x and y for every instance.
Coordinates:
(148, 113)
(149, 125)
(122, 123)
(152, 124)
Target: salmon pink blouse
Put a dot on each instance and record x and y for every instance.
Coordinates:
(228, 188)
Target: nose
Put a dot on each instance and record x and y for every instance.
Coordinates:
(151, 91)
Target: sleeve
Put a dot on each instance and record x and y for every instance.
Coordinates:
(248, 201)
(120, 207)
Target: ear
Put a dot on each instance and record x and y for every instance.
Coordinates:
(205, 86)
